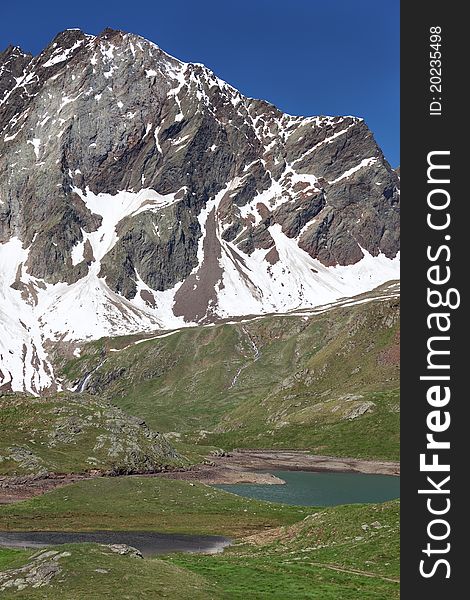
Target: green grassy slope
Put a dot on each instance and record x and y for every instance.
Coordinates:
(75, 433)
(10, 558)
(146, 504)
(93, 572)
(328, 382)
(348, 552)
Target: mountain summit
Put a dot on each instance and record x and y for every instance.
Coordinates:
(139, 192)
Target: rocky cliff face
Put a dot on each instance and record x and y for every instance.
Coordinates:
(139, 192)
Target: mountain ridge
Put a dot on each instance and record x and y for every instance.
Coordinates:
(139, 192)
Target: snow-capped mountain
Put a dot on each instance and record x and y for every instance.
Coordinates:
(138, 192)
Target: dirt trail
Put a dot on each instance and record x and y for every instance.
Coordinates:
(353, 571)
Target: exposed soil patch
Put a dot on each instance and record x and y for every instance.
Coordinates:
(295, 460)
(198, 292)
(13, 489)
(223, 474)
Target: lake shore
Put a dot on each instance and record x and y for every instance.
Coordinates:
(239, 466)
(299, 460)
(246, 466)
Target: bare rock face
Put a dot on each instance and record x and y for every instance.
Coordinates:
(38, 572)
(112, 156)
(13, 62)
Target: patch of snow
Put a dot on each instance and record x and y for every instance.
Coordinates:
(8, 138)
(61, 55)
(36, 143)
(24, 364)
(107, 52)
(157, 143)
(295, 281)
(328, 140)
(366, 162)
(77, 252)
(113, 209)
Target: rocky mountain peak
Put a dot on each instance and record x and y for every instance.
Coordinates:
(13, 61)
(138, 192)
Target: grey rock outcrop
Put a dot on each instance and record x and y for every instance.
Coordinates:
(124, 550)
(38, 572)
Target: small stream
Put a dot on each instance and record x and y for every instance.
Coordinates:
(256, 356)
(82, 384)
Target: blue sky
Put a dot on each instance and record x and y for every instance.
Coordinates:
(308, 57)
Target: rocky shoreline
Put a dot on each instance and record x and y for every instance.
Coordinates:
(246, 466)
